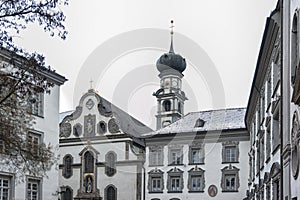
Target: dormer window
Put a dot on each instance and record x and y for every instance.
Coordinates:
(199, 123)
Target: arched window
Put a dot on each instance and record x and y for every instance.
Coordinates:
(167, 105)
(110, 168)
(88, 162)
(111, 193)
(68, 194)
(68, 160)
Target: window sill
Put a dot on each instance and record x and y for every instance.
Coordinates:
(194, 191)
(226, 162)
(160, 165)
(230, 191)
(155, 192)
(175, 164)
(174, 191)
(197, 163)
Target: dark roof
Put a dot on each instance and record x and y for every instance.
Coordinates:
(214, 120)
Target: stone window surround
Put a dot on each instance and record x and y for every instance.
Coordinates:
(230, 144)
(174, 173)
(81, 154)
(196, 172)
(230, 170)
(155, 173)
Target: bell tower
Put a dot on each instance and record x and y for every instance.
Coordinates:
(170, 97)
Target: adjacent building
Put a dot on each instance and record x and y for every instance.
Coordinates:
(46, 115)
(272, 116)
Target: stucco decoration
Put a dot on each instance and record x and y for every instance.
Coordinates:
(113, 126)
(89, 125)
(65, 130)
(90, 104)
(295, 146)
(77, 130)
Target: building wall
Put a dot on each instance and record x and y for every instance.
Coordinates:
(48, 127)
(212, 166)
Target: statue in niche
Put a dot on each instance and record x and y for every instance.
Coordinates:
(88, 184)
(89, 125)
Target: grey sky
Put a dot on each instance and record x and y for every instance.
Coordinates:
(230, 32)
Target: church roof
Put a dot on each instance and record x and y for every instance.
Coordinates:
(211, 120)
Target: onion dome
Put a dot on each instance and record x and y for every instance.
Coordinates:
(171, 60)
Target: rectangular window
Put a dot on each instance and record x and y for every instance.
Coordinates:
(175, 184)
(196, 183)
(268, 143)
(5, 188)
(33, 142)
(230, 154)
(275, 132)
(196, 155)
(33, 190)
(230, 182)
(156, 184)
(262, 151)
(155, 156)
(36, 104)
(175, 156)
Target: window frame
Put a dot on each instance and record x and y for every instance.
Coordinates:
(176, 150)
(175, 174)
(201, 149)
(155, 174)
(38, 182)
(156, 155)
(232, 172)
(196, 173)
(230, 145)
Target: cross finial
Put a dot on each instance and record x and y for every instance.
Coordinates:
(91, 83)
(172, 32)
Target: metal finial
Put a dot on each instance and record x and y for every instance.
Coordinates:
(172, 32)
(91, 84)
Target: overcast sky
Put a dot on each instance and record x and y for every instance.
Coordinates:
(228, 33)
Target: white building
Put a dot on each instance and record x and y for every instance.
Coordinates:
(45, 130)
(200, 156)
(273, 109)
